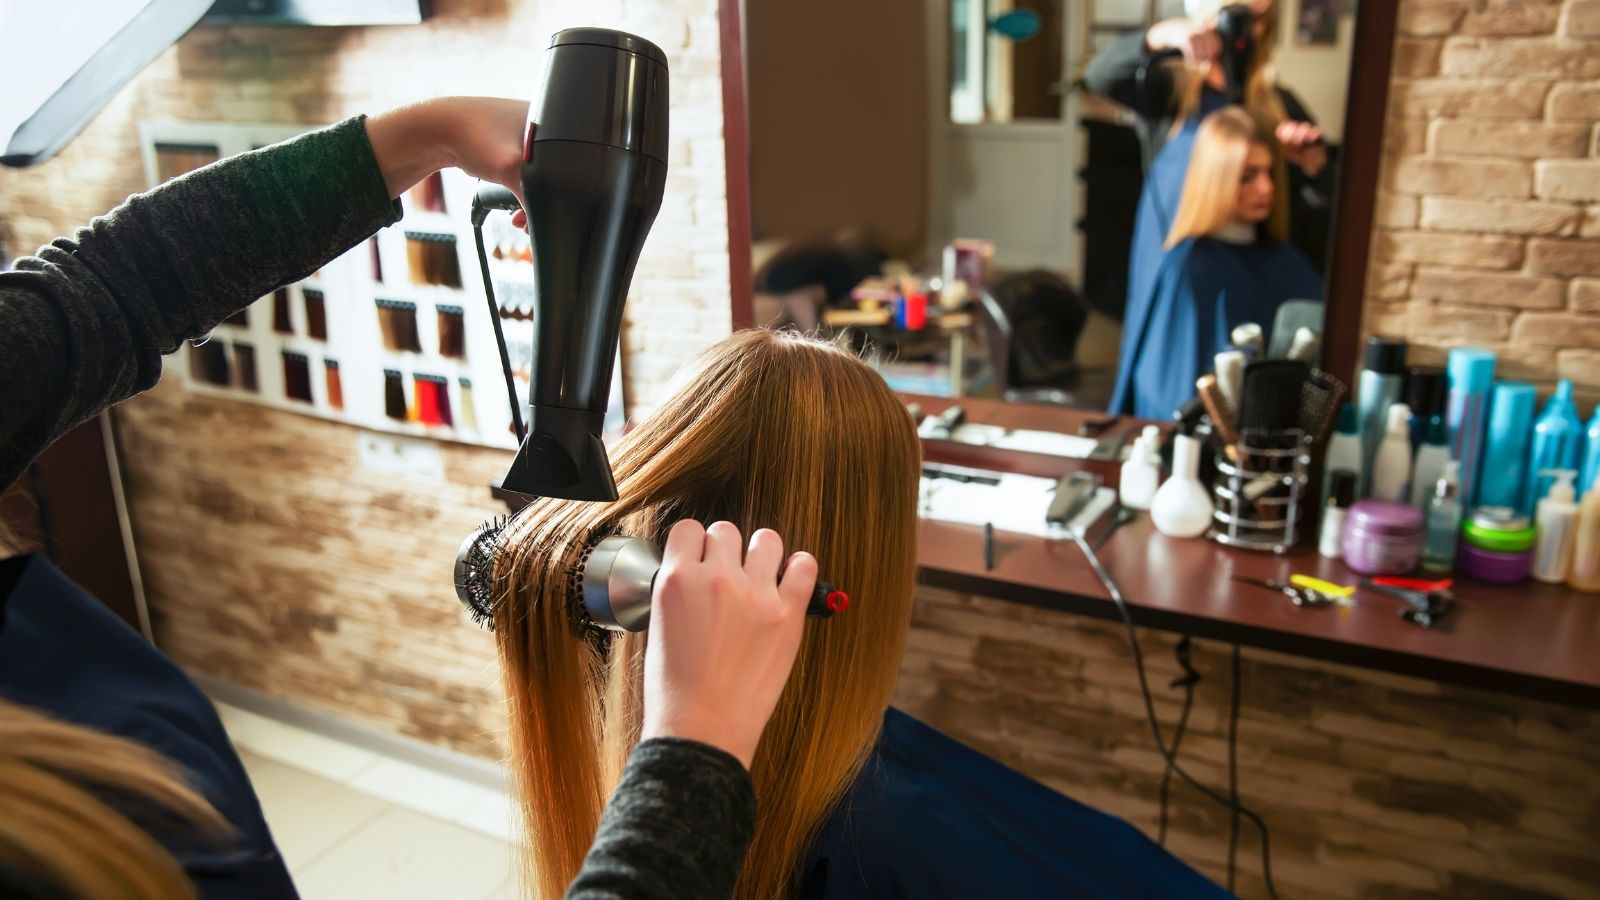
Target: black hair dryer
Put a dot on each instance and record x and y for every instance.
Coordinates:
(1236, 29)
(594, 169)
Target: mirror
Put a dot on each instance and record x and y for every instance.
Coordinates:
(956, 183)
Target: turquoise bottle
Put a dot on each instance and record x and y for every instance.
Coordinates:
(1557, 442)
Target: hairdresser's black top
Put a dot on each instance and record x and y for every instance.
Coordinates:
(84, 325)
(932, 818)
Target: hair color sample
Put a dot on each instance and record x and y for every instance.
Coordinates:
(433, 258)
(377, 259)
(244, 358)
(427, 195)
(334, 385)
(173, 160)
(469, 414)
(240, 318)
(452, 332)
(428, 388)
(296, 376)
(397, 319)
(394, 395)
(281, 321)
(1216, 165)
(316, 314)
(209, 362)
(755, 437)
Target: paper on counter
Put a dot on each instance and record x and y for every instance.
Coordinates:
(1017, 504)
(1049, 443)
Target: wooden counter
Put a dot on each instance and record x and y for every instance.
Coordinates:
(1533, 639)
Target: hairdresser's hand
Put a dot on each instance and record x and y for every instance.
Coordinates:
(723, 635)
(1303, 146)
(1197, 43)
(482, 136)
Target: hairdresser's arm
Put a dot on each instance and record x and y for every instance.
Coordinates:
(724, 631)
(84, 324)
(1114, 73)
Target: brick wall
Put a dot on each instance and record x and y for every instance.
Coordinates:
(1372, 785)
(1488, 225)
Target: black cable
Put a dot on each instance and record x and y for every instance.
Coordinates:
(1187, 681)
(1155, 724)
(1233, 768)
(479, 215)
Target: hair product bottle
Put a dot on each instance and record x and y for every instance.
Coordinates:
(1586, 546)
(1552, 559)
(1182, 507)
(1391, 465)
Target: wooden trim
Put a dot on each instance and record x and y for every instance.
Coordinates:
(736, 158)
(1366, 110)
(79, 505)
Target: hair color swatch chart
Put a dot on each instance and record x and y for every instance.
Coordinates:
(394, 334)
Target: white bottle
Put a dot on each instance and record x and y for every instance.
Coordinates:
(1428, 468)
(1344, 450)
(1391, 466)
(1141, 474)
(1182, 507)
(1554, 516)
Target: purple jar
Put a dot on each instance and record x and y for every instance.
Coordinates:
(1493, 566)
(1383, 537)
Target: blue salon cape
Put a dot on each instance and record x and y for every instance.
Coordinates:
(64, 653)
(931, 818)
(1202, 289)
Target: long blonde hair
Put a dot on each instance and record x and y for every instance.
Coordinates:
(772, 430)
(59, 833)
(1261, 80)
(1216, 165)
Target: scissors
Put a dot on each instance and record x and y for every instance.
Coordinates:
(1300, 596)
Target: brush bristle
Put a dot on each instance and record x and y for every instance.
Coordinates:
(475, 572)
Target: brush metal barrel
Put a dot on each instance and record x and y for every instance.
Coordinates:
(617, 582)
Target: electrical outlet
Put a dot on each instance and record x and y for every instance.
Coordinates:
(400, 455)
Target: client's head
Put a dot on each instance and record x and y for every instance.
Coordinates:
(768, 430)
(1233, 178)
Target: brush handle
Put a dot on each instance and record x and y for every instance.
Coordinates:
(825, 601)
(1221, 416)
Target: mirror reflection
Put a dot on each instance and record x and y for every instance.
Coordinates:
(1042, 201)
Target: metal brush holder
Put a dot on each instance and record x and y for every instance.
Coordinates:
(1259, 495)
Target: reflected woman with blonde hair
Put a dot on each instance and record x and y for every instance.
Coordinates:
(1227, 264)
(854, 799)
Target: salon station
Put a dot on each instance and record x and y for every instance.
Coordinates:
(1252, 354)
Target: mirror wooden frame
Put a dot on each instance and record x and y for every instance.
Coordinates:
(1366, 110)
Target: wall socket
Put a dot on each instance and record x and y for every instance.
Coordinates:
(396, 455)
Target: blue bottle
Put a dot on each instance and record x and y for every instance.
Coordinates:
(1471, 375)
(1505, 454)
(1591, 454)
(1557, 442)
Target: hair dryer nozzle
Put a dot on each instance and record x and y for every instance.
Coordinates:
(563, 457)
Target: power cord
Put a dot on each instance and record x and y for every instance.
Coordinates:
(1187, 681)
(1233, 769)
(1155, 724)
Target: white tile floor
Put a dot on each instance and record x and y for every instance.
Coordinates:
(353, 823)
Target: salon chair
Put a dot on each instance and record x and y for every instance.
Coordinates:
(1032, 321)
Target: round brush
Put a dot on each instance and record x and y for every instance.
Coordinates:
(612, 586)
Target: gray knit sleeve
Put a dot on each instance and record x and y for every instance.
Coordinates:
(84, 324)
(677, 827)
